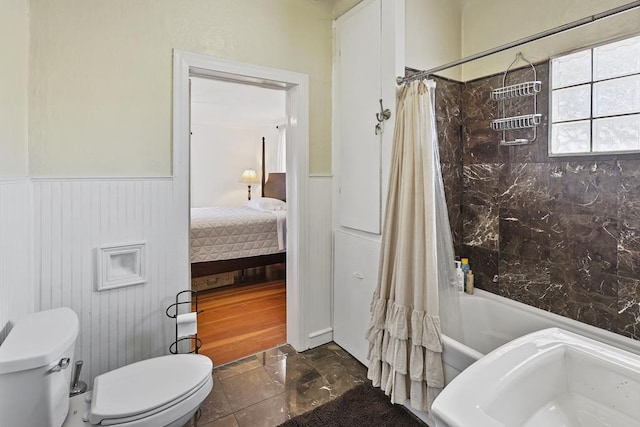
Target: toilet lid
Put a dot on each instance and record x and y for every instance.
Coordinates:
(147, 385)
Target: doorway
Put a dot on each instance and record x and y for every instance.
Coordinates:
(238, 216)
(295, 85)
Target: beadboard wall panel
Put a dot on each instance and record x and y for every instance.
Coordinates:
(320, 265)
(16, 296)
(71, 220)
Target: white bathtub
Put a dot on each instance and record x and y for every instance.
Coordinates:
(488, 321)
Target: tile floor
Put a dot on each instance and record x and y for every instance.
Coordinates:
(268, 388)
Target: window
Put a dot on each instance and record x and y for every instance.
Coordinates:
(595, 100)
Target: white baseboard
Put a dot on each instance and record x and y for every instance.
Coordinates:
(323, 336)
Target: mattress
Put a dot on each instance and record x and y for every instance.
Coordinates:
(219, 233)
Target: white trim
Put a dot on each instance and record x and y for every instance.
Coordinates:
(320, 337)
(591, 118)
(130, 273)
(354, 10)
(297, 88)
(99, 178)
(13, 180)
(320, 332)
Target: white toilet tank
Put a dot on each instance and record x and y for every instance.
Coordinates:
(36, 361)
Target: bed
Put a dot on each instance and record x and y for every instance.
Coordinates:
(225, 239)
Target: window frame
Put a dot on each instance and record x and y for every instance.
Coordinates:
(591, 89)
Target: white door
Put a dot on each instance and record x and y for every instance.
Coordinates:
(358, 93)
(370, 54)
(356, 277)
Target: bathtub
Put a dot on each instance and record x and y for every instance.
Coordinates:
(489, 321)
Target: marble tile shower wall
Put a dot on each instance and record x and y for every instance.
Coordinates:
(560, 234)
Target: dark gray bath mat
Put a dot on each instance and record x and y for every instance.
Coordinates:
(362, 406)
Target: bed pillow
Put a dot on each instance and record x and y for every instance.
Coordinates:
(267, 204)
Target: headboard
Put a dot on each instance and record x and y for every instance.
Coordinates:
(276, 185)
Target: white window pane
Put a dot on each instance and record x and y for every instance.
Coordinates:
(617, 96)
(617, 59)
(571, 69)
(617, 133)
(573, 103)
(572, 137)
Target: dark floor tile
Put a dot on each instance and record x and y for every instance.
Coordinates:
(215, 406)
(291, 371)
(228, 421)
(340, 381)
(270, 357)
(333, 368)
(325, 351)
(238, 367)
(268, 413)
(304, 397)
(249, 388)
(270, 387)
(288, 350)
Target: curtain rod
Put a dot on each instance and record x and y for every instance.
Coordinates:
(571, 25)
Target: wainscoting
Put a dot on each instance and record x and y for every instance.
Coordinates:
(50, 230)
(320, 268)
(72, 218)
(16, 298)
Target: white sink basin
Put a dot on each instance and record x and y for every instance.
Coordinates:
(548, 378)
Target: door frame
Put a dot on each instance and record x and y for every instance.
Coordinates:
(296, 85)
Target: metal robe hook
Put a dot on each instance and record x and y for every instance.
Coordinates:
(384, 114)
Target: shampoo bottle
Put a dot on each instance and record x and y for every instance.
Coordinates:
(465, 269)
(459, 277)
(469, 283)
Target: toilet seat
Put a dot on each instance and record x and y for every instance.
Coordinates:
(147, 389)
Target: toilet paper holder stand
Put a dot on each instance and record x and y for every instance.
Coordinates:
(173, 311)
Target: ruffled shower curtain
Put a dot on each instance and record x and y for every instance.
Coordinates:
(405, 345)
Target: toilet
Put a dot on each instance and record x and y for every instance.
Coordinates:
(35, 375)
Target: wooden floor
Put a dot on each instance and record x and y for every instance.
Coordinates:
(241, 320)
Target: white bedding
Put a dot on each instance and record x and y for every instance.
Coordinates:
(219, 233)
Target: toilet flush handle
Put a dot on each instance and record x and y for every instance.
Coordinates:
(62, 364)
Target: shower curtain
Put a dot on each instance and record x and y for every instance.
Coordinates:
(405, 345)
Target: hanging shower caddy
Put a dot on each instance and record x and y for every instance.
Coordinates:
(505, 93)
(193, 340)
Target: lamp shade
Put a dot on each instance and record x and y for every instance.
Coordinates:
(249, 176)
